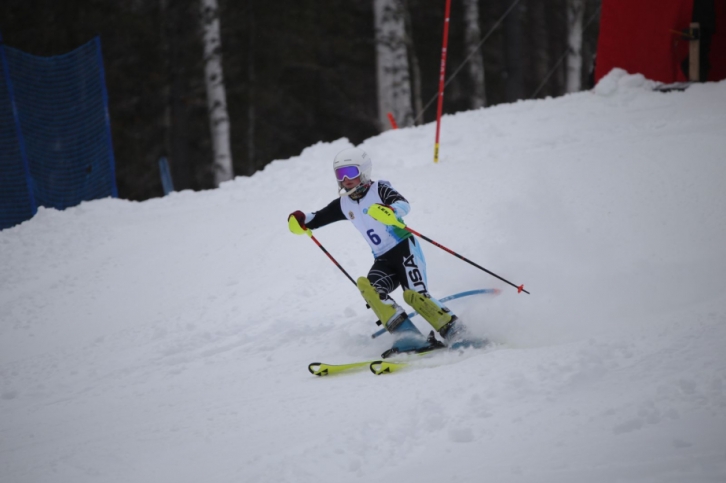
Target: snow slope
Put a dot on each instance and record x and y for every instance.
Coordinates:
(168, 341)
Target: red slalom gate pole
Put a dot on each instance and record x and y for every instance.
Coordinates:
(392, 120)
(519, 288)
(442, 78)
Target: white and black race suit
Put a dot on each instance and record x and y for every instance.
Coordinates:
(398, 256)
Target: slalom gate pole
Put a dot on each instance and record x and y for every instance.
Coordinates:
(442, 76)
(310, 234)
(446, 299)
(519, 288)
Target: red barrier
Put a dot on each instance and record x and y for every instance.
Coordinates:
(642, 37)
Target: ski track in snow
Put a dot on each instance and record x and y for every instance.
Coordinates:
(169, 340)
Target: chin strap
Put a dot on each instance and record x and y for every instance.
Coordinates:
(342, 192)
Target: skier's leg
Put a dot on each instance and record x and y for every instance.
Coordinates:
(382, 278)
(411, 267)
(440, 317)
(375, 288)
(416, 293)
(381, 281)
(386, 309)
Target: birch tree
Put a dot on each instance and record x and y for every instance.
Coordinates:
(216, 94)
(472, 37)
(415, 67)
(514, 55)
(394, 86)
(575, 12)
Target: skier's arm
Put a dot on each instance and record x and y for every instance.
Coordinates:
(327, 215)
(393, 198)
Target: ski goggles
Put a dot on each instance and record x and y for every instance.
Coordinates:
(349, 172)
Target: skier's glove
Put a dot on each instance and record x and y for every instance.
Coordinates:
(385, 214)
(296, 223)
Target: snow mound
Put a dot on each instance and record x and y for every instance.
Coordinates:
(619, 80)
(169, 340)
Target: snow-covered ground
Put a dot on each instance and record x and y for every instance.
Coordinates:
(168, 341)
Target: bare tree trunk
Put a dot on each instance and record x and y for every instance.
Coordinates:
(394, 87)
(216, 95)
(251, 116)
(476, 64)
(415, 68)
(540, 45)
(166, 88)
(575, 12)
(514, 59)
(176, 115)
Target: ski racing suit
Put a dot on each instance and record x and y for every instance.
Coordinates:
(398, 256)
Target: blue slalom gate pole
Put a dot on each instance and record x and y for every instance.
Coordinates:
(446, 299)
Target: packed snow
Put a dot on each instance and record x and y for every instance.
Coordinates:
(168, 340)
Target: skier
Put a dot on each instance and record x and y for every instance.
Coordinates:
(398, 256)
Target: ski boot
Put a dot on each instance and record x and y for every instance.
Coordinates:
(414, 346)
(394, 319)
(442, 320)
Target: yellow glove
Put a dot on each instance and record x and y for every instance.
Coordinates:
(385, 215)
(296, 223)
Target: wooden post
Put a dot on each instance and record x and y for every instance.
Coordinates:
(694, 52)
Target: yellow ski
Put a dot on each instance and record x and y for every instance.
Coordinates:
(381, 366)
(321, 369)
(386, 367)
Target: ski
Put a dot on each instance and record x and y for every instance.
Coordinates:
(322, 369)
(410, 344)
(387, 366)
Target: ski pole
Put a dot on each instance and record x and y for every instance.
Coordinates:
(386, 216)
(295, 227)
(310, 234)
(519, 288)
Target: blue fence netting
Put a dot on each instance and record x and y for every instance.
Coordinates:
(166, 181)
(55, 132)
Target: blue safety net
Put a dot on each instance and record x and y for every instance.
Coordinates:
(16, 201)
(55, 139)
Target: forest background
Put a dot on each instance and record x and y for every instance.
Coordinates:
(295, 71)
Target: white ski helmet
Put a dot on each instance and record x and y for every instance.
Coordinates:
(353, 157)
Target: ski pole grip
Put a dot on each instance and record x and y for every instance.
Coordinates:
(384, 215)
(295, 227)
